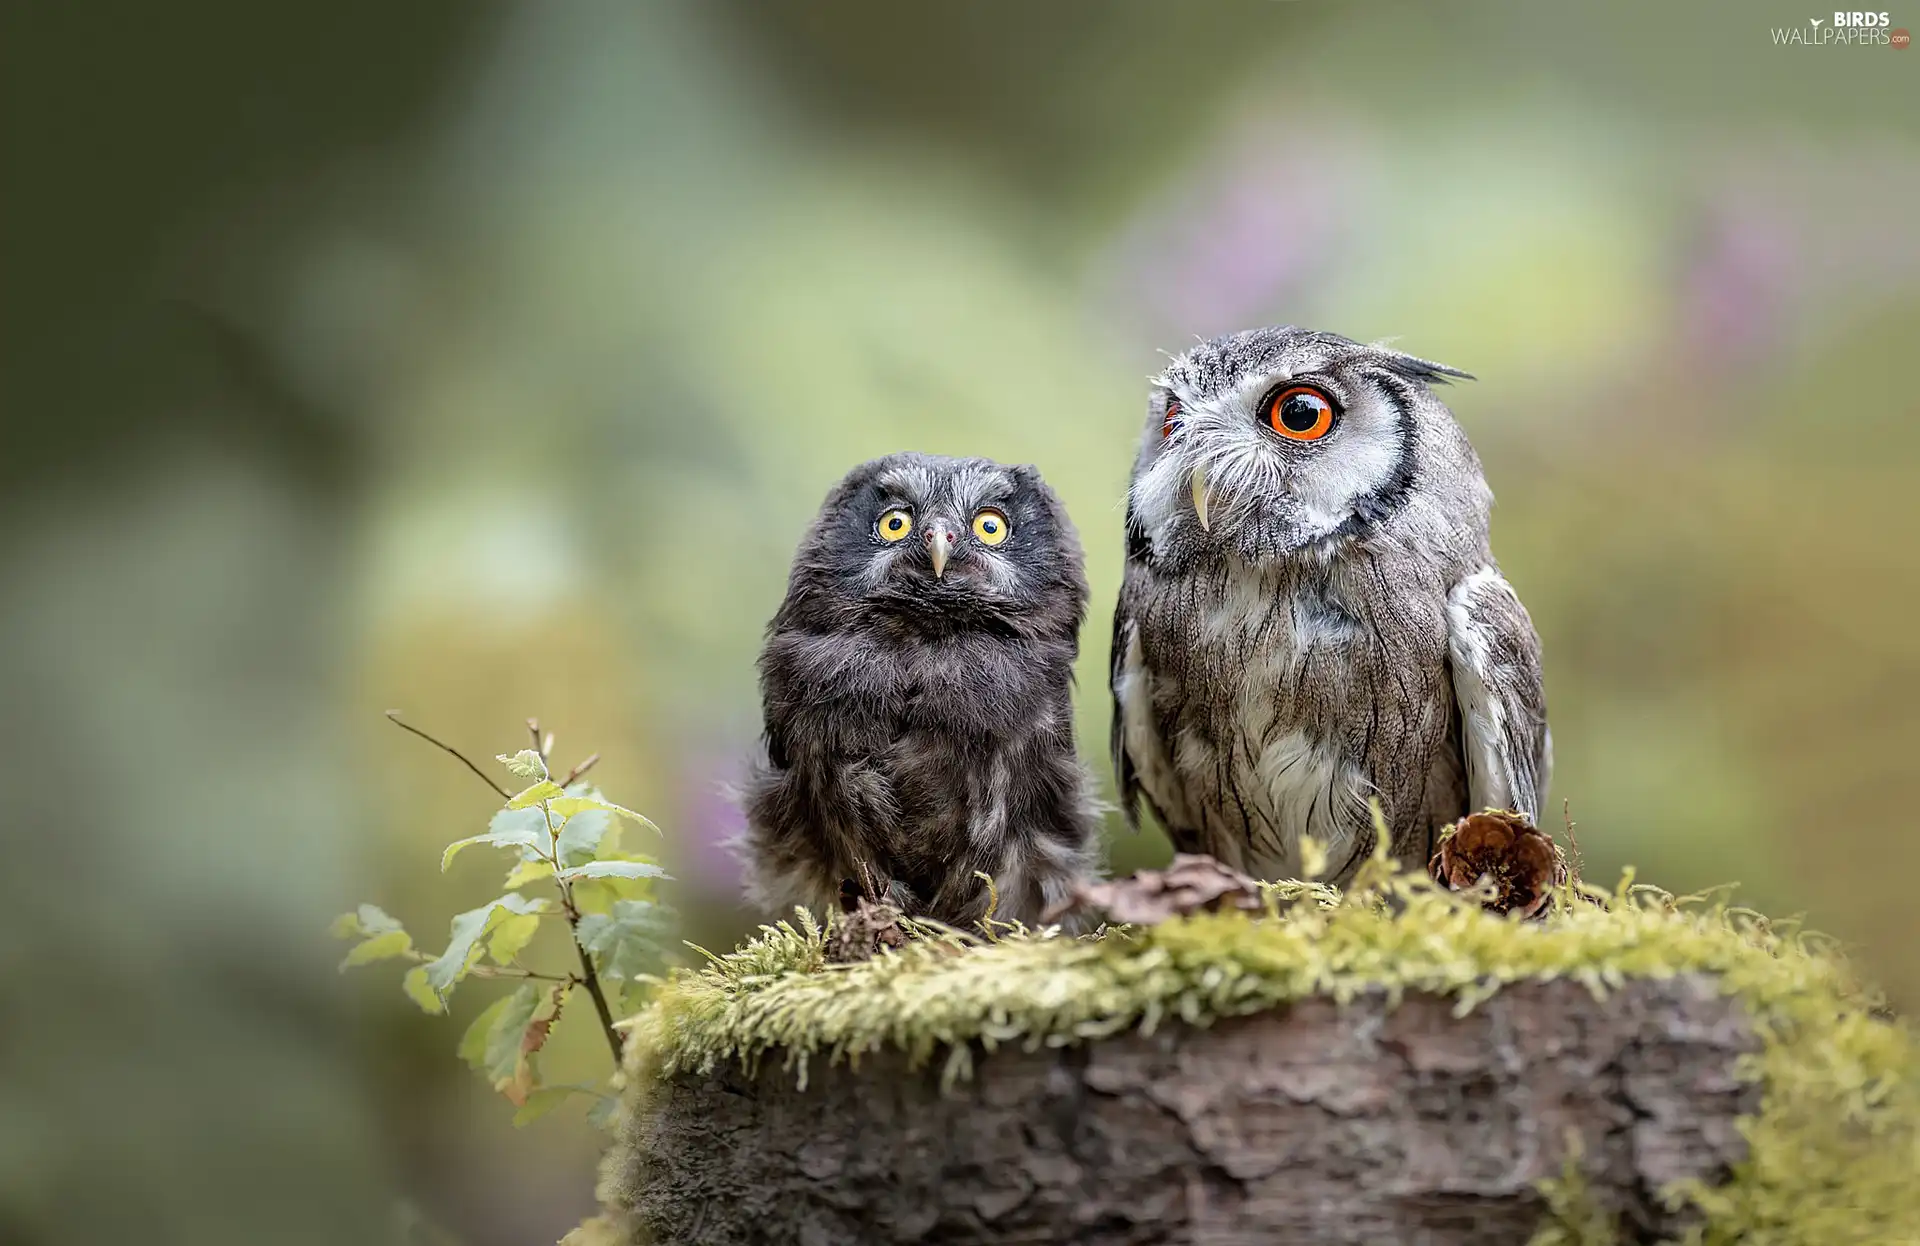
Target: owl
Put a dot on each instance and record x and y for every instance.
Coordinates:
(917, 685)
(1310, 617)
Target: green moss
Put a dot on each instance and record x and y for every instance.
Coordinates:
(1834, 1153)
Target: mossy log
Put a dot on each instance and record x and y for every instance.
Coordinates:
(1313, 1123)
(1395, 1066)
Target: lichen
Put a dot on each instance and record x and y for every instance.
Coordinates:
(1833, 1153)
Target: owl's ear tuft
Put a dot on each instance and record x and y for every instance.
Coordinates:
(1426, 371)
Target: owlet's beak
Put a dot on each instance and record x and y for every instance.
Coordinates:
(940, 541)
(1200, 497)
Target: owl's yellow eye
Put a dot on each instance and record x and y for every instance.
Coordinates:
(894, 525)
(991, 527)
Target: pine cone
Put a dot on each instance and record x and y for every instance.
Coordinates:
(863, 928)
(1190, 884)
(1521, 864)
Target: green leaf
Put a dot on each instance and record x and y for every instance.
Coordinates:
(525, 829)
(473, 1043)
(599, 895)
(568, 806)
(526, 763)
(466, 932)
(381, 947)
(366, 921)
(528, 872)
(511, 936)
(584, 835)
(545, 789)
(543, 1101)
(491, 1044)
(627, 942)
(420, 992)
(605, 1111)
(616, 869)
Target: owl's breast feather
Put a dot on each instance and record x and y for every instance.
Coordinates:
(1256, 705)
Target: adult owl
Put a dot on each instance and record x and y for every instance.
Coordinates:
(1311, 617)
(917, 685)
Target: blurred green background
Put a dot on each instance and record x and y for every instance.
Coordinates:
(486, 360)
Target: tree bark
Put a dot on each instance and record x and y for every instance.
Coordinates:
(1316, 1123)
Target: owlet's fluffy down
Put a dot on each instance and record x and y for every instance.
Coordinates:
(917, 685)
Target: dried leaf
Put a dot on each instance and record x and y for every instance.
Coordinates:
(539, 1030)
(1191, 884)
(863, 928)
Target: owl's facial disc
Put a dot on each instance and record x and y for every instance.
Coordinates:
(918, 543)
(1269, 460)
(1269, 442)
(952, 539)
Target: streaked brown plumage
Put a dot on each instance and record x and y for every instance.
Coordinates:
(1310, 617)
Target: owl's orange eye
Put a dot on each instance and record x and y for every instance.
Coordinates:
(1300, 413)
(1171, 424)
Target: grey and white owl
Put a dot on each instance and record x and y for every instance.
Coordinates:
(1311, 617)
(917, 685)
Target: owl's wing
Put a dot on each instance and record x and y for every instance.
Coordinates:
(1495, 656)
(1124, 775)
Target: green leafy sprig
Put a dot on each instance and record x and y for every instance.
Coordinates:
(564, 835)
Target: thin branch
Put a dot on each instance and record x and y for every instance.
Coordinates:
(515, 971)
(544, 747)
(593, 759)
(393, 716)
(589, 978)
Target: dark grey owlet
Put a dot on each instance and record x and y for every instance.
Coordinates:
(1311, 617)
(917, 684)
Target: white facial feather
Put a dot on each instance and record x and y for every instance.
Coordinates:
(1249, 468)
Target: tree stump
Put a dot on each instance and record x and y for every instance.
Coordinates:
(1311, 1122)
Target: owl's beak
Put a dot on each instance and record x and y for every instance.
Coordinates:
(1200, 497)
(939, 545)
